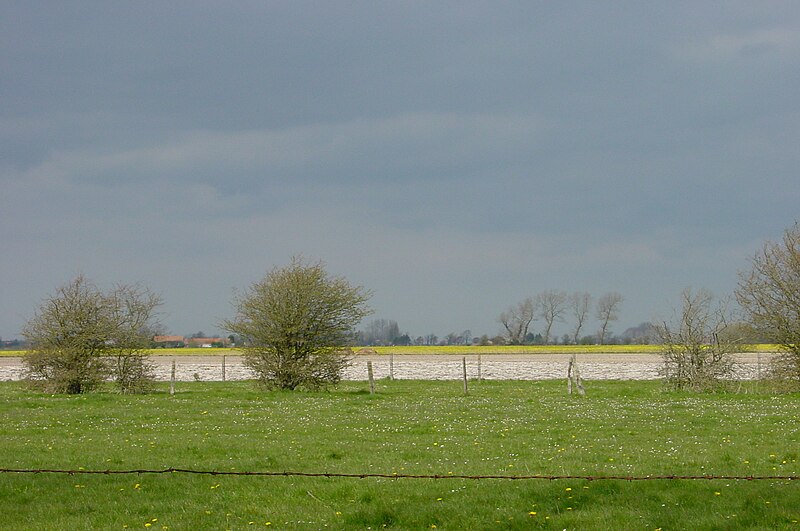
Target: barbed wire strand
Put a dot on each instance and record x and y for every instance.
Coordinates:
(388, 476)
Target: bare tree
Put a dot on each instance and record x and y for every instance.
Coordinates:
(580, 303)
(81, 336)
(381, 332)
(551, 305)
(607, 310)
(296, 323)
(517, 319)
(694, 353)
(770, 295)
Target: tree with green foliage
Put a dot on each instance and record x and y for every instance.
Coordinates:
(296, 324)
(81, 336)
(770, 295)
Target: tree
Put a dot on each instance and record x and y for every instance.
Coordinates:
(644, 333)
(579, 303)
(134, 312)
(381, 332)
(770, 295)
(296, 323)
(466, 337)
(81, 336)
(551, 305)
(607, 311)
(695, 354)
(516, 321)
(403, 340)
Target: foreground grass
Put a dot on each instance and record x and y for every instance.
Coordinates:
(413, 427)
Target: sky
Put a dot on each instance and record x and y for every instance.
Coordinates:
(452, 157)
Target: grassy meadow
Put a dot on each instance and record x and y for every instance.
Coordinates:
(408, 427)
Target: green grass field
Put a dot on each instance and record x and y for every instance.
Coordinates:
(408, 427)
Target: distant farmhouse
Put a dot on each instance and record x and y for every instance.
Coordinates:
(192, 342)
(169, 341)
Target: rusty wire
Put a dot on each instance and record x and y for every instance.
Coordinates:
(387, 476)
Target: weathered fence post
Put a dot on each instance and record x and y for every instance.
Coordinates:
(574, 374)
(223, 367)
(479, 368)
(391, 366)
(172, 379)
(371, 378)
(464, 372)
(569, 374)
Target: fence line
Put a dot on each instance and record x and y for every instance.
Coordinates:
(387, 476)
(421, 367)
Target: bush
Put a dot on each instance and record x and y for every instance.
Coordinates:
(80, 337)
(296, 323)
(695, 355)
(770, 295)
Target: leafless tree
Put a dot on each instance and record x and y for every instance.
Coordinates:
(607, 310)
(516, 321)
(81, 336)
(551, 305)
(580, 303)
(695, 354)
(770, 295)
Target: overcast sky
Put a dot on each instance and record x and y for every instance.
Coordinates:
(453, 157)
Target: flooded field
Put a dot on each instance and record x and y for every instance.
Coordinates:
(434, 367)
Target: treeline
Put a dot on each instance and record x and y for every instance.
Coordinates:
(11, 344)
(642, 334)
(530, 322)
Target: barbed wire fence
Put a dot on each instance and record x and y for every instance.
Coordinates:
(80, 471)
(456, 365)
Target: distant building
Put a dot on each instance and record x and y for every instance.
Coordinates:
(208, 342)
(169, 341)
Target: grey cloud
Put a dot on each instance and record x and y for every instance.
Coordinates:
(422, 146)
(451, 156)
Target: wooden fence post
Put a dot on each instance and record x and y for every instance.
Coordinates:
(479, 368)
(464, 371)
(569, 374)
(172, 379)
(371, 378)
(574, 374)
(223, 367)
(391, 366)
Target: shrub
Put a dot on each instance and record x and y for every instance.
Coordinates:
(80, 337)
(695, 355)
(295, 324)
